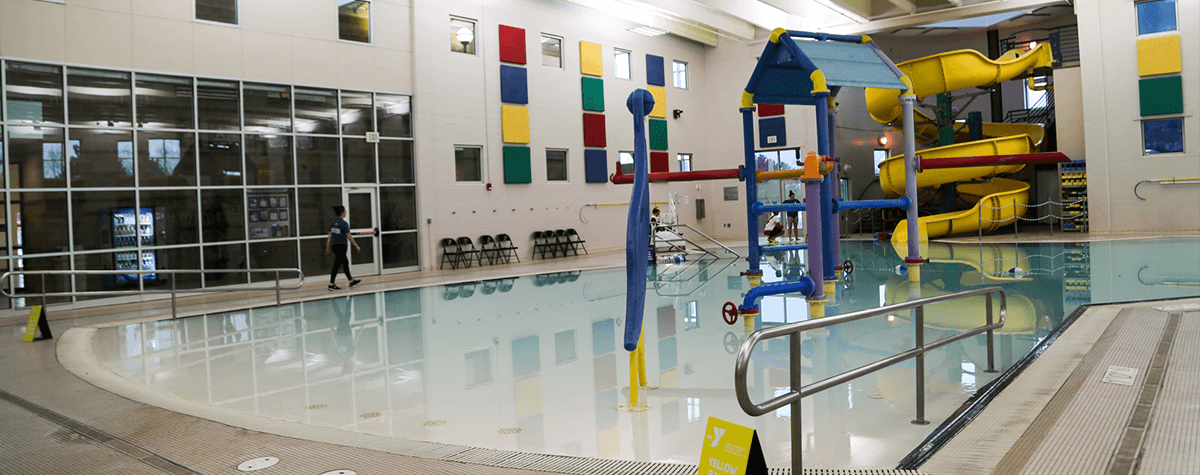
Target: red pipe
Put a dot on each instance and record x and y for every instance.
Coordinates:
(992, 160)
(731, 173)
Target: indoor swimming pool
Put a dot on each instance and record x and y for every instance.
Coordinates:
(534, 363)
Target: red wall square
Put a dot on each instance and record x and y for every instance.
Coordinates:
(512, 44)
(767, 110)
(593, 131)
(660, 162)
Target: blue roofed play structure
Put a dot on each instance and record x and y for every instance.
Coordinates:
(784, 71)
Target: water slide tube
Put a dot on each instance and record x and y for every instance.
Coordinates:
(1003, 198)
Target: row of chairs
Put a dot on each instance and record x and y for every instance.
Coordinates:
(557, 242)
(462, 251)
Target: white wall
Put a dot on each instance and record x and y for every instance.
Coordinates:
(1112, 128)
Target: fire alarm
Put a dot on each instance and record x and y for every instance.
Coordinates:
(489, 187)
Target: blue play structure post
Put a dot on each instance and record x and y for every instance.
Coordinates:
(826, 198)
(640, 103)
(748, 175)
(837, 194)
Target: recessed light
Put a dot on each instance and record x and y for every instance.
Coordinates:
(648, 30)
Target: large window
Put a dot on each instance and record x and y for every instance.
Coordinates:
(354, 20)
(1162, 136)
(680, 73)
(621, 63)
(220, 11)
(462, 35)
(468, 164)
(556, 165)
(685, 162)
(1156, 16)
(551, 51)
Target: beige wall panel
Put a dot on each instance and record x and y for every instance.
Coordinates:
(163, 45)
(118, 6)
(273, 16)
(315, 19)
(267, 57)
(184, 10)
(391, 26)
(218, 50)
(98, 37)
(355, 66)
(34, 30)
(312, 60)
(392, 69)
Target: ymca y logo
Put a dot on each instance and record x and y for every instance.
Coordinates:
(717, 433)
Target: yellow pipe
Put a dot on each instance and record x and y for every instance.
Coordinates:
(634, 402)
(747, 100)
(819, 84)
(816, 308)
(1032, 87)
(776, 33)
(641, 351)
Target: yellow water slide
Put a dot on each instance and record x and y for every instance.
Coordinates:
(1002, 198)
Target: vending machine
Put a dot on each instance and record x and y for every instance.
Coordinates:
(128, 230)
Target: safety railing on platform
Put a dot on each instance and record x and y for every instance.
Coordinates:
(673, 227)
(8, 277)
(797, 391)
(1017, 217)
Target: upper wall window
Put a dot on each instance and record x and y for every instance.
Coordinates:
(1162, 136)
(462, 36)
(468, 164)
(551, 51)
(220, 11)
(1156, 16)
(621, 63)
(685, 162)
(681, 77)
(556, 165)
(626, 160)
(354, 20)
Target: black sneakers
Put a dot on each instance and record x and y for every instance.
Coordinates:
(352, 284)
(355, 282)
(334, 287)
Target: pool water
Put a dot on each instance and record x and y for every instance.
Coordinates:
(535, 363)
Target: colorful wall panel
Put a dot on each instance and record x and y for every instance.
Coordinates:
(658, 134)
(1159, 56)
(593, 94)
(594, 134)
(768, 110)
(595, 166)
(515, 122)
(772, 132)
(1161, 95)
(591, 59)
(517, 165)
(514, 84)
(655, 74)
(660, 162)
(660, 101)
(512, 44)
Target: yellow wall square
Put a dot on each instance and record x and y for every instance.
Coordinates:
(660, 101)
(591, 60)
(515, 121)
(1158, 56)
(527, 395)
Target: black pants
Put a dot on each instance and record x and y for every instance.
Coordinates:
(339, 261)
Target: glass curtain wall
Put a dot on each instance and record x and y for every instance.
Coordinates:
(121, 170)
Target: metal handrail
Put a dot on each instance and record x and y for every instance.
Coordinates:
(793, 330)
(697, 231)
(4, 290)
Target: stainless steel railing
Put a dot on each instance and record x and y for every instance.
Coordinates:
(793, 330)
(174, 291)
(697, 231)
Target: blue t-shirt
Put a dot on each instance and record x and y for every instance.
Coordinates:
(338, 230)
(792, 214)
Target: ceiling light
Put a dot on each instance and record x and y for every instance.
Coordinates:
(648, 30)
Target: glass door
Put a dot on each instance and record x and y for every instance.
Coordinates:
(363, 215)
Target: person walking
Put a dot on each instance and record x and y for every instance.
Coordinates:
(339, 236)
(793, 218)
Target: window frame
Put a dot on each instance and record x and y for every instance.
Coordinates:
(475, 38)
(237, 6)
(1137, 17)
(566, 165)
(560, 39)
(370, 27)
(675, 74)
(628, 63)
(477, 147)
(679, 161)
(1182, 136)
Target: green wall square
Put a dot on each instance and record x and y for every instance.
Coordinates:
(1161, 95)
(516, 165)
(658, 134)
(593, 94)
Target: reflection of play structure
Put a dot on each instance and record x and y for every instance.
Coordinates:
(993, 149)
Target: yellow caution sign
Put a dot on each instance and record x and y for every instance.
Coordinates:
(37, 321)
(731, 449)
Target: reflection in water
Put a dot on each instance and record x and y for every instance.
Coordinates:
(533, 364)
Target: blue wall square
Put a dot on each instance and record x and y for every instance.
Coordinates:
(514, 84)
(654, 71)
(595, 166)
(773, 127)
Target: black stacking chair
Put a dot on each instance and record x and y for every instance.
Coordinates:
(540, 245)
(469, 252)
(575, 241)
(451, 253)
(507, 249)
(489, 249)
(564, 244)
(552, 242)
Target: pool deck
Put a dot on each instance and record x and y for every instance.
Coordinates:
(1058, 416)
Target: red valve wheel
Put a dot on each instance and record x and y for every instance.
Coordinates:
(848, 267)
(730, 313)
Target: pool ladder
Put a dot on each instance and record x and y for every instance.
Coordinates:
(793, 331)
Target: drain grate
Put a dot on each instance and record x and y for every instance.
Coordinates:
(370, 415)
(434, 423)
(509, 430)
(315, 407)
(257, 464)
